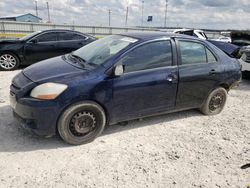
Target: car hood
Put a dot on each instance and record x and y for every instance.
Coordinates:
(10, 41)
(50, 69)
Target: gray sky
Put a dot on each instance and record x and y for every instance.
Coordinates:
(209, 14)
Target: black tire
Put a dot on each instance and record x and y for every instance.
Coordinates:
(215, 102)
(81, 123)
(246, 74)
(15, 62)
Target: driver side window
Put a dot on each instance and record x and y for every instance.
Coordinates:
(47, 37)
(148, 56)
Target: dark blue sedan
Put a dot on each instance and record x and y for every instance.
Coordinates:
(120, 78)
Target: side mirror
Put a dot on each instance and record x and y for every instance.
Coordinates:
(119, 70)
(34, 41)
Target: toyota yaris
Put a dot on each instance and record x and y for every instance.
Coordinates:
(120, 78)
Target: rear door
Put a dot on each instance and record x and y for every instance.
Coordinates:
(70, 41)
(41, 47)
(149, 83)
(199, 72)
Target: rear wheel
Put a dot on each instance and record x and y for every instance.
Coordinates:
(215, 102)
(246, 74)
(81, 123)
(9, 61)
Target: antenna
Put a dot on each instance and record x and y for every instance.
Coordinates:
(48, 11)
(166, 10)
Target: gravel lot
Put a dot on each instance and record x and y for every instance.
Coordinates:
(183, 149)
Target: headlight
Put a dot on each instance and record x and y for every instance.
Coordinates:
(48, 91)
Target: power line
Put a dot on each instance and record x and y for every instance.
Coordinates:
(142, 13)
(126, 21)
(36, 8)
(48, 11)
(166, 10)
(109, 17)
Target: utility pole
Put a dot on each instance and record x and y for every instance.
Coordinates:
(126, 21)
(142, 13)
(36, 9)
(48, 11)
(109, 17)
(166, 11)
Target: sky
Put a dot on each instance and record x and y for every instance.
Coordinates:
(205, 14)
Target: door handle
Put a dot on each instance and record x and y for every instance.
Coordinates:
(213, 72)
(172, 78)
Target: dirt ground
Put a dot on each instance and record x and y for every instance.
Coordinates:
(183, 149)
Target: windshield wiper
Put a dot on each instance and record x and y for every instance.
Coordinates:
(80, 60)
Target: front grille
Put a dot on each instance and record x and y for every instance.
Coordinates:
(15, 86)
(248, 57)
(19, 81)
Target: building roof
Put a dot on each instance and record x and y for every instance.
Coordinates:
(20, 15)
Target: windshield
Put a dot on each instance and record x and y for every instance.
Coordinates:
(101, 50)
(26, 37)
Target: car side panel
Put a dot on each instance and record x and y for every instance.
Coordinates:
(65, 47)
(232, 72)
(195, 82)
(40, 51)
(16, 48)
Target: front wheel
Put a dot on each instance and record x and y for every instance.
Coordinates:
(215, 102)
(81, 123)
(9, 61)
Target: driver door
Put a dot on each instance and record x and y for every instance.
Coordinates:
(148, 84)
(41, 47)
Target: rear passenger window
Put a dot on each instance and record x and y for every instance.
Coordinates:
(70, 36)
(210, 56)
(195, 53)
(192, 53)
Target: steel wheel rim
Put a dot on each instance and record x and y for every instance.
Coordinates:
(82, 124)
(216, 102)
(7, 61)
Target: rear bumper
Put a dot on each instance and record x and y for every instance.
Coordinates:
(39, 117)
(245, 66)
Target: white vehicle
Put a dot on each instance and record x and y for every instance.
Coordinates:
(192, 32)
(224, 39)
(245, 62)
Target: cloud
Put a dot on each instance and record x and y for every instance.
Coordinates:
(217, 3)
(210, 14)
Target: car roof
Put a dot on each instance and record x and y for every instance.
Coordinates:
(66, 30)
(150, 35)
(53, 30)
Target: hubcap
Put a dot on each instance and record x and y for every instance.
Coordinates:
(82, 123)
(216, 102)
(7, 61)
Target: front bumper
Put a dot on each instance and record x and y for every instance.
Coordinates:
(235, 85)
(245, 62)
(39, 117)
